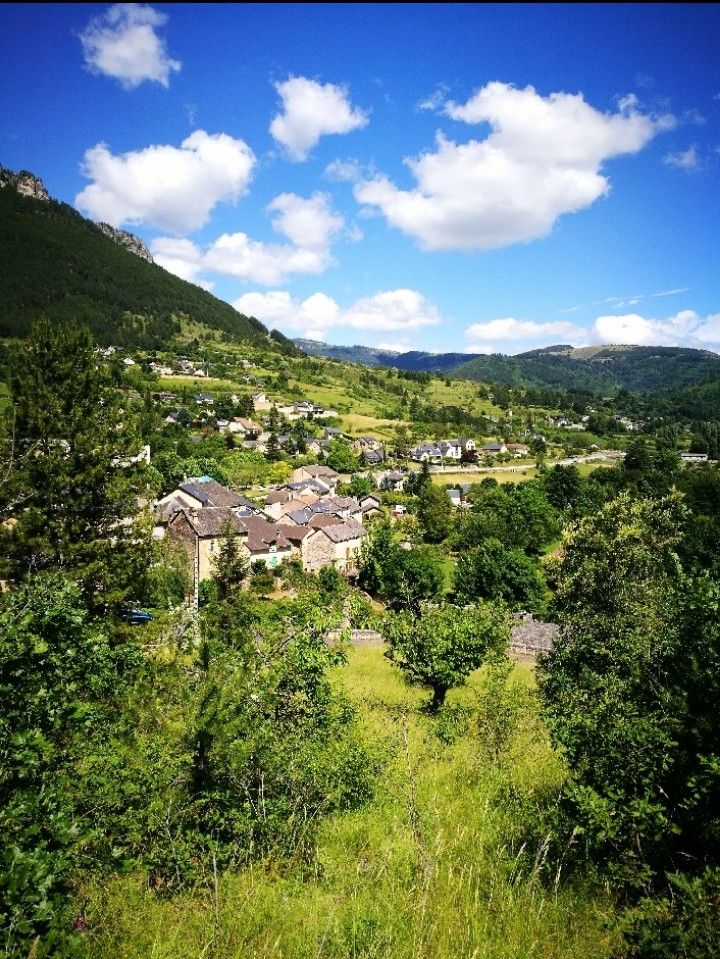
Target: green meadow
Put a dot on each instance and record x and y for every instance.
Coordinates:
(444, 863)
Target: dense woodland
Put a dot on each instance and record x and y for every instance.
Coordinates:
(232, 783)
(57, 263)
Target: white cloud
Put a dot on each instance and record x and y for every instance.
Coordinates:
(685, 328)
(685, 160)
(173, 188)
(542, 158)
(435, 100)
(510, 328)
(345, 171)
(123, 44)
(311, 110)
(319, 313)
(181, 257)
(309, 224)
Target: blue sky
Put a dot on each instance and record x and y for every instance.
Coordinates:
(471, 177)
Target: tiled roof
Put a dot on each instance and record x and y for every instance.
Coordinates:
(322, 520)
(320, 471)
(262, 535)
(295, 534)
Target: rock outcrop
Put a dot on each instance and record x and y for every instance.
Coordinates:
(25, 183)
(127, 240)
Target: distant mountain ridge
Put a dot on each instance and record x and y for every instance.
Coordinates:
(604, 369)
(58, 264)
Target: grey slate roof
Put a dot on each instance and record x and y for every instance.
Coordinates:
(213, 522)
(211, 493)
(342, 532)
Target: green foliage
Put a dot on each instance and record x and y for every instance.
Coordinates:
(434, 511)
(58, 264)
(605, 372)
(441, 648)
(403, 577)
(70, 502)
(231, 564)
(630, 690)
(340, 457)
(62, 681)
(682, 925)
(519, 516)
(491, 571)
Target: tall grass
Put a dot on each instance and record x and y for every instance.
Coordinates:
(436, 867)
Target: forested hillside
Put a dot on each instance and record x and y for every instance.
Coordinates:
(602, 369)
(58, 264)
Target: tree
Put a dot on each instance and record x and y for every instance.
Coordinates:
(231, 563)
(440, 648)
(402, 577)
(72, 502)
(435, 513)
(340, 457)
(62, 684)
(638, 457)
(491, 571)
(562, 486)
(631, 691)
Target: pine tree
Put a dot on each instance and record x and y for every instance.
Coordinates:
(68, 499)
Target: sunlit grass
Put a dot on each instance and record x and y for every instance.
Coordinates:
(433, 868)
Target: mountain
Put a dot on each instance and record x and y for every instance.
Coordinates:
(365, 355)
(370, 356)
(599, 369)
(57, 263)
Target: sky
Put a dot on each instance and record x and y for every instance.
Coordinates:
(486, 178)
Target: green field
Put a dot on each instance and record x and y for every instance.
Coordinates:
(517, 475)
(436, 867)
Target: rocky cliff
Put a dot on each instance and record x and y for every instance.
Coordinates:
(25, 183)
(127, 240)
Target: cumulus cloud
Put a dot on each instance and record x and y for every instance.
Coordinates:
(311, 110)
(685, 160)
(181, 257)
(542, 158)
(318, 314)
(685, 328)
(509, 328)
(123, 44)
(173, 188)
(310, 225)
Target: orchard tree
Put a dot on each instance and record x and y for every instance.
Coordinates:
(440, 648)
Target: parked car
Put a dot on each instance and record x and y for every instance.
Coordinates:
(137, 617)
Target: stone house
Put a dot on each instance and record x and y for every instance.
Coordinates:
(323, 473)
(201, 532)
(266, 542)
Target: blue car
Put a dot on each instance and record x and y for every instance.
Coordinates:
(137, 617)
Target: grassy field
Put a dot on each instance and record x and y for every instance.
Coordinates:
(520, 474)
(355, 425)
(517, 475)
(438, 866)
